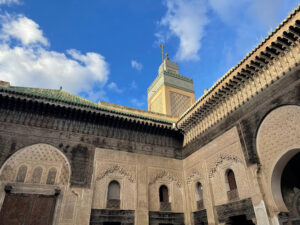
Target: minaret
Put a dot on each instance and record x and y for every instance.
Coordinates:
(170, 93)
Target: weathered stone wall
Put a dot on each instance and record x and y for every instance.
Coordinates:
(263, 130)
(247, 118)
(209, 164)
(140, 177)
(278, 141)
(44, 169)
(14, 137)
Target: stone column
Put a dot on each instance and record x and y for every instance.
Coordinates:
(141, 213)
(274, 220)
(212, 216)
(187, 208)
(261, 214)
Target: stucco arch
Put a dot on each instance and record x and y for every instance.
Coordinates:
(43, 155)
(278, 140)
(276, 178)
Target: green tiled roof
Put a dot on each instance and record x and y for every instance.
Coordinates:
(52, 94)
(62, 96)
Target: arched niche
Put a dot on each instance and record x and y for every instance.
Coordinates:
(164, 194)
(37, 156)
(114, 190)
(277, 142)
(198, 191)
(230, 180)
(276, 178)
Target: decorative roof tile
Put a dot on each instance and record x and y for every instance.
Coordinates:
(65, 97)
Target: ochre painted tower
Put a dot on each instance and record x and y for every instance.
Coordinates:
(170, 93)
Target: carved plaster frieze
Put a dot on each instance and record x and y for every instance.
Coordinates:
(195, 174)
(166, 174)
(220, 160)
(120, 170)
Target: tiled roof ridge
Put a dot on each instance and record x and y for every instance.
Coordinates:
(77, 100)
(179, 76)
(109, 104)
(230, 71)
(168, 73)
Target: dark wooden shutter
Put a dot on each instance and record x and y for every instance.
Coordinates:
(231, 180)
(163, 194)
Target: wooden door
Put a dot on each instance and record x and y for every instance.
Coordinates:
(25, 209)
(14, 210)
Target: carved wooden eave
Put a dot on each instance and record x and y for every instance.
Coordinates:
(12, 102)
(273, 58)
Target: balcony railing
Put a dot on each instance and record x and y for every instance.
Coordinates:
(165, 206)
(113, 204)
(233, 195)
(200, 205)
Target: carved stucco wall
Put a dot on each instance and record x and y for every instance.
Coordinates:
(194, 176)
(220, 164)
(209, 164)
(277, 137)
(140, 177)
(76, 206)
(173, 180)
(43, 156)
(124, 174)
(47, 165)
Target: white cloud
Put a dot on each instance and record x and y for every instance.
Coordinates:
(114, 87)
(136, 65)
(250, 21)
(137, 103)
(133, 85)
(230, 10)
(261, 12)
(29, 63)
(8, 2)
(22, 29)
(186, 20)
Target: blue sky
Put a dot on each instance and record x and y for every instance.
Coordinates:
(109, 49)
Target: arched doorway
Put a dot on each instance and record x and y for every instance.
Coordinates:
(277, 144)
(290, 190)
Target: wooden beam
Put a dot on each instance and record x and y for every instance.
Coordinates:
(294, 33)
(283, 43)
(265, 57)
(277, 48)
(271, 52)
(287, 36)
(297, 24)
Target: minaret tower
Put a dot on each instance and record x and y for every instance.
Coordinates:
(170, 93)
